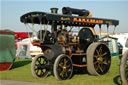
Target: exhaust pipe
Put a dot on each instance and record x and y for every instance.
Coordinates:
(70, 11)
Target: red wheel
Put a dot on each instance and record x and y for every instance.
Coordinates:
(5, 66)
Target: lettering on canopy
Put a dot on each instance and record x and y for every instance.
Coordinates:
(88, 20)
(65, 18)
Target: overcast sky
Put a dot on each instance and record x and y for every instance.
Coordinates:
(11, 10)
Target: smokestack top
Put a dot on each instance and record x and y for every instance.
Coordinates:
(54, 10)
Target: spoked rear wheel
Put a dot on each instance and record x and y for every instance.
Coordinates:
(38, 66)
(98, 59)
(63, 67)
(124, 68)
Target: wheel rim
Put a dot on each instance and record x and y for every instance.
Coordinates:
(40, 67)
(126, 71)
(124, 68)
(5, 66)
(102, 59)
(64, 68)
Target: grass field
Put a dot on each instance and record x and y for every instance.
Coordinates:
(21, 71)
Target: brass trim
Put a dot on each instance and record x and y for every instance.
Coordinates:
(79, 65)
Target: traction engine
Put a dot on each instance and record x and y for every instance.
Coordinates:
(65, 49)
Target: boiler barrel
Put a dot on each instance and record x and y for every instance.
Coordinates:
(70, 11)
(52, 51)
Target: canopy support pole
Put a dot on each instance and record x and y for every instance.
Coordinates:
(26, 25)
(32, 31)
(114, 30)
(107, 31)
(100, 28)
(41, 39)
(45, 29)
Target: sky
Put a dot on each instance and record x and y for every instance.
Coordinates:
(12, 10)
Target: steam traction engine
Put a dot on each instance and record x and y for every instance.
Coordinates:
(65, 50)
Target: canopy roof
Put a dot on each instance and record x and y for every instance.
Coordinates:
(48, 18)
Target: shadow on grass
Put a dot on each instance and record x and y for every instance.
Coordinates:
(117, 80)
(80, 71)
(18, 64)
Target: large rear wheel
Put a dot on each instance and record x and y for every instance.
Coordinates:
(124, 68)
(98, 59)
(63, 67)
(39, 66)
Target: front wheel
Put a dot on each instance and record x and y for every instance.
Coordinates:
(63, 67)
(39, 66)
(124, 68)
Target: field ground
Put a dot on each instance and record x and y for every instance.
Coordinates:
(21, 71)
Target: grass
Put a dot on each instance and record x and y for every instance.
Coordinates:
(21, 71)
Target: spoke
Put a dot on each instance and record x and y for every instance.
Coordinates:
(68, 66)
(100, 67)
(61, 65)
(96, 57)
(39, 62)
(37, 72)
(44, 62)
(100, 50)
(42, 72)
(95, 62)
(105, 63)
(97, 52)
(103, 54)
(65, 62)
(96, 68)
(61, 74)
(36, 64)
